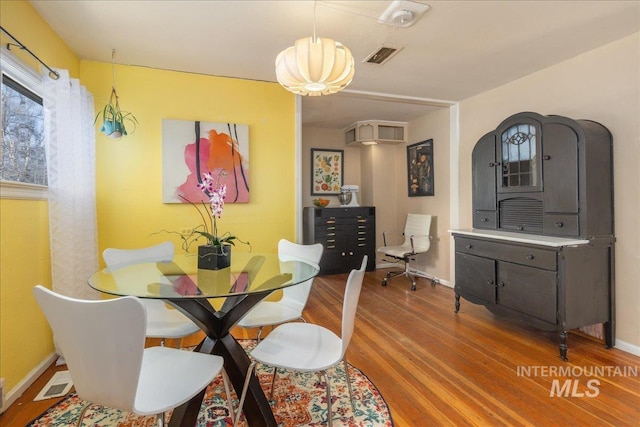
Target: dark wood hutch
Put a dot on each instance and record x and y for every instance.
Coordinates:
(542, 244)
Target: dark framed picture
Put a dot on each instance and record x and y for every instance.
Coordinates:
(326, 171)
(420, 169)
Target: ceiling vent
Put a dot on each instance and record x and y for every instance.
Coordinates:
(382, 55)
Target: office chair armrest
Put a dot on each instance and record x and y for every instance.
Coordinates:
(384, 236)
(417, 235)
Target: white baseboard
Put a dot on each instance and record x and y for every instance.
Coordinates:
(629, 348)
(27, 381)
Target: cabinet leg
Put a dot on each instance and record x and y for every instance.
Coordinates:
(563, 346)
(457, 303)
(608, 334)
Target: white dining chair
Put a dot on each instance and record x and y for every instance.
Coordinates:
(162, 322)
(103, 342)
(294, 298)
(307, 347)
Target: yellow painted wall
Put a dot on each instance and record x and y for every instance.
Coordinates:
(129, 177)
(129, 170)
(25, 338)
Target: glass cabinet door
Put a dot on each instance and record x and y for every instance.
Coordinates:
(520, 158)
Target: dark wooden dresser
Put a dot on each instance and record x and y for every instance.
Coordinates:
(347, 234)
(542, 245)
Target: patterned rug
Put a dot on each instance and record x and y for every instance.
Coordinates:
(299, 400)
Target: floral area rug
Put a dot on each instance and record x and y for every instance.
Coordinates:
(299, 400)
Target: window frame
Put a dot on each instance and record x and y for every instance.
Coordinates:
(14, 68)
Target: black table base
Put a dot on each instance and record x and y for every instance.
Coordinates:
(216, 324)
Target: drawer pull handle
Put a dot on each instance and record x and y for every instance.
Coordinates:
(559, 224)
(520, 228)
(351, 253)
(469, 247)
(492, 164)
(501, 284)
(484, 219)
(490, 282)
(529, 257)
(546, 157)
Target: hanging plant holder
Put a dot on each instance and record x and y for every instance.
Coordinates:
(114, 120)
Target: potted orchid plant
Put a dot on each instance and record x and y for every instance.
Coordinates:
(216, 253)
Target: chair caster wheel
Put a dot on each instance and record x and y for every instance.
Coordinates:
(433, 282)
(413, 286)
(384, 282)
(388, 275)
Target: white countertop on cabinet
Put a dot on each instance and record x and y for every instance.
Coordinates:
(534, 239)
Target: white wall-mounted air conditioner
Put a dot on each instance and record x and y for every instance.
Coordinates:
(369, 132)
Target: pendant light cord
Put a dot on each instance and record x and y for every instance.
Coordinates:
(314, 20)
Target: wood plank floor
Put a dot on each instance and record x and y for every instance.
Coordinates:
(435, 367)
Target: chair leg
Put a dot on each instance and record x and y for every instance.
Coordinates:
(329, 412)
(160, 419)
(225, 381)
(273, 383)
(81, 416)
(346, 373)
(244, 392)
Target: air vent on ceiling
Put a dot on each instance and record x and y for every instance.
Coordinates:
(382, 55)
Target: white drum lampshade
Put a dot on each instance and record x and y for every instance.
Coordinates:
(315, 66)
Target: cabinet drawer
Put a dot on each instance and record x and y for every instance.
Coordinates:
(485, 219)
(532, 257)
(561, 225)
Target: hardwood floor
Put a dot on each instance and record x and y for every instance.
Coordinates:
(435, 367)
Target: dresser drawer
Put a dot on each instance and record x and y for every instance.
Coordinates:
(561, 225)
(485, 219)
(532, 257)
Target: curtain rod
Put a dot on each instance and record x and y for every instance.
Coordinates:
(52, 73)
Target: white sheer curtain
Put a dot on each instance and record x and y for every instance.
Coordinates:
(70, 146)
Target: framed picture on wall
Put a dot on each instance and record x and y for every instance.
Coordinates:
(326, 171)
(420, 169)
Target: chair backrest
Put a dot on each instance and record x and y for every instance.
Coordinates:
(350, 303)
(299, 294)
(102, 342)
(117, 258)
(418, 225)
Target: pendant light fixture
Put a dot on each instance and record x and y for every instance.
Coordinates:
(315, 66)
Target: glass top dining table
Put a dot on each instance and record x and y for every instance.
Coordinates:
(249, 273)
(215, 300)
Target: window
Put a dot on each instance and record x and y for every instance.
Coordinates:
(23, 168)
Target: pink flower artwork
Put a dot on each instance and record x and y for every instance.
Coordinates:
(204, 147)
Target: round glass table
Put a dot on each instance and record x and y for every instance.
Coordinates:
(215, 300)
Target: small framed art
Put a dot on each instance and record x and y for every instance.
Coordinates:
(326, 171)
(420, 169)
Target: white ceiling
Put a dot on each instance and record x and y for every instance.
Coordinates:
(456, 50)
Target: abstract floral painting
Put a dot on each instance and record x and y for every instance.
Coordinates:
(191, 148)
(326, 171)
